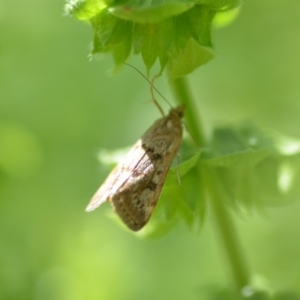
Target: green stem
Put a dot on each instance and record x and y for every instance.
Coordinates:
(227, 231)
(224, 222)
(183, 96)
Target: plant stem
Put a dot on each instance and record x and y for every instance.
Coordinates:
(227, 231)
(224, 222)
(183, 96)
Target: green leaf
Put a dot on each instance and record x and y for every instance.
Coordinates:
(165, 42)
(255, 168)
(237, 147)
(150, 11)
(224, 18)
(106, 32)
(220, 4)
(149, 47)
(113, 35)
(182, 199)
(184, 167)
(200, 18)
(177, 32)
(84, 10)
(122, 48)
(189, 59)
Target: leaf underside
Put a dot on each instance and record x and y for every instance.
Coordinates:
(176, 33)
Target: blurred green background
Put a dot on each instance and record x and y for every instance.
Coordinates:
(57, 109)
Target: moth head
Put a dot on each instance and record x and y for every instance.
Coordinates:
(177, 112)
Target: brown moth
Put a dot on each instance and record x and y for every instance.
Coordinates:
(135, 184)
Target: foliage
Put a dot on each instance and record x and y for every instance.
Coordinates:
(175, 32)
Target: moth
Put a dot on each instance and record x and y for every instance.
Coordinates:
(135, 184)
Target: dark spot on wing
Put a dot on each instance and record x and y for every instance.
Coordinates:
(149, 149)
(139, 203)
(152, 186)
(156, 156)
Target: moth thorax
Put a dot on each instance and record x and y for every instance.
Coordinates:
(169, 124)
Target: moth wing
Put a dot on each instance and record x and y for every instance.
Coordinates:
(135, 185)
(135, 201)
(117, 177)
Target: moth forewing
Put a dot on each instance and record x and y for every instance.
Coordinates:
(117, 177)
(135, 184)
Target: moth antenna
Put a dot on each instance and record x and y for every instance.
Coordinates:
(152, 94)
(152, 85)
